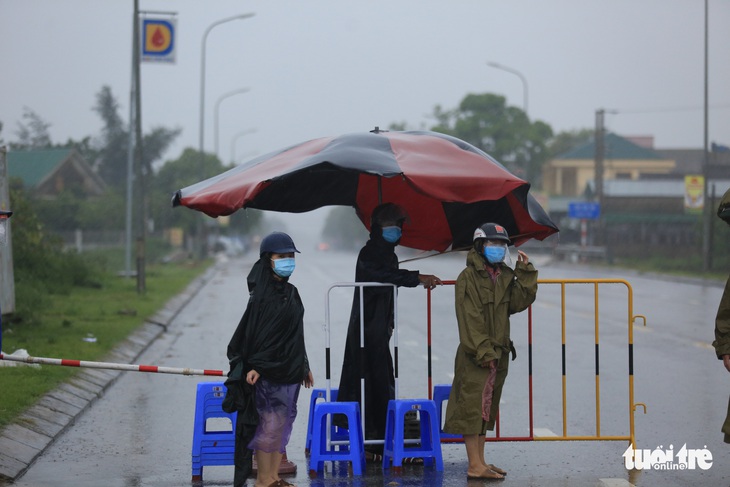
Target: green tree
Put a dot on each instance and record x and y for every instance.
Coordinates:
(400, 126)
(569, 140)
(41, 267)
(72, 210)
(504, 132)
(33, 132)
(188, 169)
(343, 230)
(114, 142)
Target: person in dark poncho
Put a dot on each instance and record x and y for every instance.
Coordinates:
(268, 362)
(377, 262)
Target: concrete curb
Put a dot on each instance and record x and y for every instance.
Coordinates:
(22, 442)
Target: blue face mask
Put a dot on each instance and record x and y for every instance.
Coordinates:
(284, 267)
(392, 234)
(494, 255)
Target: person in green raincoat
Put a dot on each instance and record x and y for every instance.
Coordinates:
(722, 321)
(487, 292)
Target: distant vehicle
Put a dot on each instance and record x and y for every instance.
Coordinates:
(231, 246)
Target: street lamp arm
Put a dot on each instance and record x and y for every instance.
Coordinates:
(217, 108)
(235, 139)
(518, 74)
(223, 21)
(201, 164)
(202, 66)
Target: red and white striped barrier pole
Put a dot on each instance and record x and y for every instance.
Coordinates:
(108, 365)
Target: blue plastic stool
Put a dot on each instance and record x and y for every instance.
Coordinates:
(319, 452)
(440, 394)
(336, 433)
(211, 447)
(430, 443)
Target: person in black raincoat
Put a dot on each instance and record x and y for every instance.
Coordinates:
(268, 364)
(376, 262)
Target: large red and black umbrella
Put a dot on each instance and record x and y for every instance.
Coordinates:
(447, 186)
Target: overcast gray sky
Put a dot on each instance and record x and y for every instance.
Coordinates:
(324, 67)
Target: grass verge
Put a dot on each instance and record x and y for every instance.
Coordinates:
(107, 314)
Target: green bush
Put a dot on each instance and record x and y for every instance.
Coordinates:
(40, 265)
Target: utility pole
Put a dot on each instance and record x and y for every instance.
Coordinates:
(138, 157)
(131, 145)
(598, 178)
(706, 210)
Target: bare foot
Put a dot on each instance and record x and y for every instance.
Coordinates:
(487, 473)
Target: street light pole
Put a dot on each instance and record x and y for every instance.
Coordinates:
(235, 139)
(201, 147)
(217, 108)
(517, 73)
(202, 71)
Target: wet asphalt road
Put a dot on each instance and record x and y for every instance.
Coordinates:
(140, 432)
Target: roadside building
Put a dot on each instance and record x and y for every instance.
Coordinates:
(645, 194)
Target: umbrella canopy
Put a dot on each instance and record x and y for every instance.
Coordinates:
(447, 186)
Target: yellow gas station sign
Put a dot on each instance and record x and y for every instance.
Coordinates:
(158, 40)
(694, 193)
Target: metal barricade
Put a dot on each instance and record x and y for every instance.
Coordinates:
(630, 320)
(361, 286)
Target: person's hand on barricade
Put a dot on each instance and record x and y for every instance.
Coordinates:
(428, 281)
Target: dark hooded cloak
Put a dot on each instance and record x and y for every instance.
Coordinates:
(376, 262)
(269, 339)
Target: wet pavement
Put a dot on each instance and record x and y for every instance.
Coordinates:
(139, 432)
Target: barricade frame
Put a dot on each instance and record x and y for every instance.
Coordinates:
(631, 319)
(328, 367)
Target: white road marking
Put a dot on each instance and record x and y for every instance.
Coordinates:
(616, 483)
(542, 432)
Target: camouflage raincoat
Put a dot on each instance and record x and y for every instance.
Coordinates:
(722, 342)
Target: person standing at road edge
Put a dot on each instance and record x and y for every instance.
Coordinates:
(722, 320)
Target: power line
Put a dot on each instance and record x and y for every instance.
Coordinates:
(668, 109)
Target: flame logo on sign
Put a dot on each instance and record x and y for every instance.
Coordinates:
(157, 37)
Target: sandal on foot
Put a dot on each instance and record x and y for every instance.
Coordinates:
(373, 457)
(413, 460)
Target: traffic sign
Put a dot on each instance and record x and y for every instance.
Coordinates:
(585, 210)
